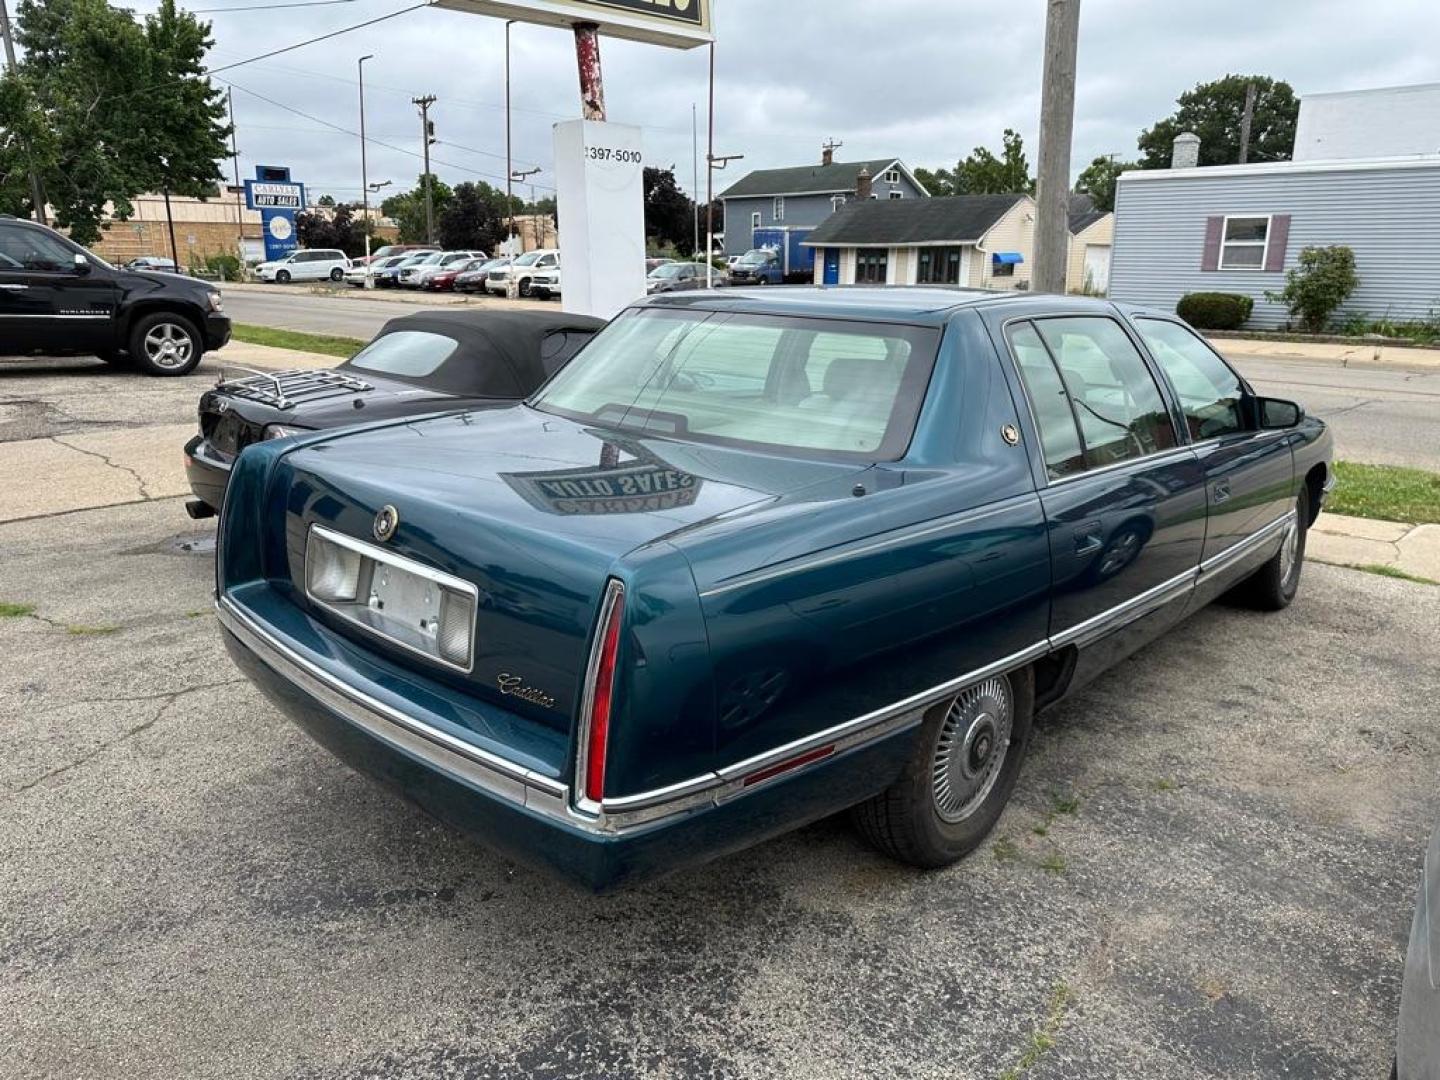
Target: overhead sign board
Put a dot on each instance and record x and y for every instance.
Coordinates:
(679, 24)
(272, 195)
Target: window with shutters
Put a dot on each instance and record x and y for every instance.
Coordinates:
(1242, 243)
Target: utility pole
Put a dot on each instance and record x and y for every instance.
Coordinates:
(239, 196)
(427, 136)
(1246, 119)
(509, 165)
(695, 179)
(1057, 119)
(712, 162)
(37, 193)
(519, 176)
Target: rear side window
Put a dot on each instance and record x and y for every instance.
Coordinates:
(1117, 402)
(410, 354)
(1059, 436)
(1211, 395)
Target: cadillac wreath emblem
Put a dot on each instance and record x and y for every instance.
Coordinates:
(386, 522)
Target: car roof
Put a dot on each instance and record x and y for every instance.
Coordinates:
(928, 304)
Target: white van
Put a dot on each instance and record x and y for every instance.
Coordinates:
(315, 264)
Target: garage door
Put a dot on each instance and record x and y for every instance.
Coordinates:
(1097, 267)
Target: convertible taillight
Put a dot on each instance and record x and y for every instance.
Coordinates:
(602, 689)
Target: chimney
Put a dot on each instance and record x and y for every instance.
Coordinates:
(1186, 154)
(827, 155)
(863, 183)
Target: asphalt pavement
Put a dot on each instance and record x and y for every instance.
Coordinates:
(1208, 869)
(1382, 414)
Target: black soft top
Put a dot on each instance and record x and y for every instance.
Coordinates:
(502, 353)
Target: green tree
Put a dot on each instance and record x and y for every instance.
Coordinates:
(1323, 280)
(473, 219)
(325, 200)
(669, 212)
(982, 173)
(408, 208)
(1213, 110)
(25, 140)
(1098, 180)
(125, 106)
(936, 182)
(340, 228)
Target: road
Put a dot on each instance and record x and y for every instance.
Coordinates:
(1381, 414)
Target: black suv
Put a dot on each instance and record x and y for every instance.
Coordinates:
(59, 299)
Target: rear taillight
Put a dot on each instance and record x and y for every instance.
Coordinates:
(602, 689)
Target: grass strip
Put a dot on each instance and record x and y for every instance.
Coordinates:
(1385, 492)
(1043, 1037)
(324, 344)
(1392, 571)
(14, 611)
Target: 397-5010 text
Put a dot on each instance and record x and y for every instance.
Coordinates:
(605, 153)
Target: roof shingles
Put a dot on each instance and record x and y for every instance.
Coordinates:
(805, 179)
(955, 219)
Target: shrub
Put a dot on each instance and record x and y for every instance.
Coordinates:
(226, 266)
(1215, 310)
(1322, 282)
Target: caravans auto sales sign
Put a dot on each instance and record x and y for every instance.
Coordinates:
(679, 10)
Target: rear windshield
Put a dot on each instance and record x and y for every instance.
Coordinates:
(409, 354)
(798, 385)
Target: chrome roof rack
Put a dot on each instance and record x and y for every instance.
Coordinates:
(286, 389)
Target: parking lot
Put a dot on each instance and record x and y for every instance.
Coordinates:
(1208, 869)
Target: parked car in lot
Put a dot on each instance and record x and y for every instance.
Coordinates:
(428, 362)
(652, 264)
(153, 262)
(386, 278)
(675, 277)
(442, 279)
(359, 269)
(522, 270)
(312, 264)
(1417, 1041)
(60, 299)
(390, 251)
(545, 284)
(415, 275)
(754, 558)
(472, 281)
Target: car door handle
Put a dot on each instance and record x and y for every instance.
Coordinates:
(1089, 538)
(1220, 490)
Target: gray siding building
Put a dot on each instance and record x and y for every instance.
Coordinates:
(804, 196)
(1238, 228)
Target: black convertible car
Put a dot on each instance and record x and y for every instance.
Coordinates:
(434, 361)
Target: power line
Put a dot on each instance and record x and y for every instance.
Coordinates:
(268, 7)
(322, 37)
(374, 142)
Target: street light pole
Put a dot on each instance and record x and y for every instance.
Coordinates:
(37, 193)
(509, 165)
(364, 175)
(712, 162)
(519, 176)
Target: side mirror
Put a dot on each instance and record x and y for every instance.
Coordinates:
(1277, 413)
(82, 264)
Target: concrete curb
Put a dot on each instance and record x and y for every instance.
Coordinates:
(1328, 352)
(1353, 541)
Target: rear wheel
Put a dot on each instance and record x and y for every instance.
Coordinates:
(1275, 584)
(336, 274)
(165, 344)
(282, 277)
(966, 761)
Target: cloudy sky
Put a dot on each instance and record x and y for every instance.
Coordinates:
(925, 80)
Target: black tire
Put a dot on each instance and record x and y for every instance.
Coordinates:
(282, 277)
(909, 821)
(336, 274)
(166, 344)
(525, 287)
(1274, 585)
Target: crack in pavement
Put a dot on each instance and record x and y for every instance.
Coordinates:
(166, 699)
(90, 509)
(139, 480)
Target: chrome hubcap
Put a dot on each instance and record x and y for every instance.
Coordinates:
(1289, 549)
(168, 346)
(971, 748)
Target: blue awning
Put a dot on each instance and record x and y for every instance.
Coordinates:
(1010, 257)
